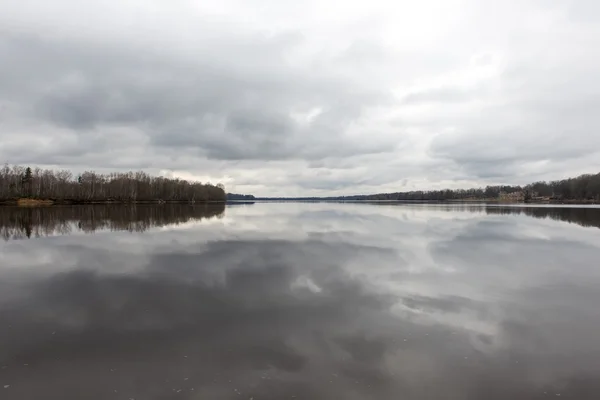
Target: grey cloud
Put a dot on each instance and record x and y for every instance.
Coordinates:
(220, 90)
(537, 112)
(540, 131)
(503, 155)
(219, 106)
(584, 11)
(440, 95)
(447, 304)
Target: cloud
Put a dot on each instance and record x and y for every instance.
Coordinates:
(442, 95)
(238, 92)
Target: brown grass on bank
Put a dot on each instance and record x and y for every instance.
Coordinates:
(34, 202)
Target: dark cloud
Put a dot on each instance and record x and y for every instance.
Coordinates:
(446, 304)
(220, 109)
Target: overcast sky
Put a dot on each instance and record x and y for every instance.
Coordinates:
(312, 97)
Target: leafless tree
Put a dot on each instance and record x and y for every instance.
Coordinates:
(19, 182)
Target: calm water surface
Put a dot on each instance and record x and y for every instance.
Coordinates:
(303, 301)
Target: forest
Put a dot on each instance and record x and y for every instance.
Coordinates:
(17, 183)
(238, 197)
(582, 189)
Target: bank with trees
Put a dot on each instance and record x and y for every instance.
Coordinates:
(32, 185)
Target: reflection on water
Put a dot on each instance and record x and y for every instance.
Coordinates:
(26, 222)
(22, 222)
(584, 216)
(581, 215)
(307, 301)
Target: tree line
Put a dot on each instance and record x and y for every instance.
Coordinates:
(28, 222)
(584, 188)
(19, 182)
(238, 197)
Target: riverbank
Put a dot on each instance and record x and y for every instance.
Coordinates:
(533, 201)
(26, 202)
(34, 202)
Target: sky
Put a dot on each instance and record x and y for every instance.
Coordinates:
(303, 98)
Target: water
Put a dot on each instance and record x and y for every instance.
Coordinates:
(304, 301)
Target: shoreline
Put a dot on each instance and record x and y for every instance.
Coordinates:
(482, 201)
(25, 202)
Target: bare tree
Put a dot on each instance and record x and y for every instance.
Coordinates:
(18, 182)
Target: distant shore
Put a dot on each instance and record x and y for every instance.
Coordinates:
(464, 201)
(27, 202)
(533, 201)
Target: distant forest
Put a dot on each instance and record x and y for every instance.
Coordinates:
(235, 196)
(17, 183)
(584, 189)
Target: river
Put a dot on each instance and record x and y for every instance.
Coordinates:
(300, 301)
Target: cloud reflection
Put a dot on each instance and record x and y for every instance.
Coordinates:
(437, 304)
